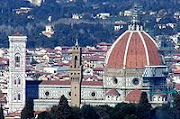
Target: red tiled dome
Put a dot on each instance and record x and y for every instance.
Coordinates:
(133, 50)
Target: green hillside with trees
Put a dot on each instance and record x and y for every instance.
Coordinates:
(88, 30)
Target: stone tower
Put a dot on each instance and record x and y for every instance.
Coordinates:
(17, 81)
(76, 76)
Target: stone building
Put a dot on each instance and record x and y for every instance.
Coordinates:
(132, 65)
(17, 64)
(76, 76)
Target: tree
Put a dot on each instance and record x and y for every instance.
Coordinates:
(177, 102)
(27, 111)
(76, 112)
(53, 111)
(1, 113)
(122, 110)
(166, 112)
(144, 107)
(44, 115)
(144, 99)
(102, 112)
(63, 111)
(88, 112)
(132, 116)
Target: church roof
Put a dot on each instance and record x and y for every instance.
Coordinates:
(68, 82)
(93, 83)
(112, 92)
(132, 50)
(134, 96)
(56, 82)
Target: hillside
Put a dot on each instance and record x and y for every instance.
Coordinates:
(88, 29)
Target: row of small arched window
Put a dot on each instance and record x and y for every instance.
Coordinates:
(19, 81)
(17, 97)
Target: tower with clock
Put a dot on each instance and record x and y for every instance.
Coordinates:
(17, 81)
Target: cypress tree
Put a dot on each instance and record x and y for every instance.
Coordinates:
(44, 115)
(1, 113)
(27, 112)
(63, 111)
(144, 107)
(76, 113)
(144, 99)
(177, 102)
(88, 112)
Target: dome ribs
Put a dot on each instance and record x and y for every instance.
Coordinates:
(154, 57)
(136, 57)
(133, 50)
(117, 55)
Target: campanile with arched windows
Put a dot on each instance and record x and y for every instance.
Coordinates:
(17, 82)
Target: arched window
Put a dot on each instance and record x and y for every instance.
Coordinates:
(14, 96)
(19, 81)
(159, 98)
(19, 97)
(17, 60)
(15, 81)
(75, 61)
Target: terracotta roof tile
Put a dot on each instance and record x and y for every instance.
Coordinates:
(152, 50)
(140, 45)
(112, 92)
(56, 82)
(117, 55)
(68, 82)
(134, 96)
(93, 83)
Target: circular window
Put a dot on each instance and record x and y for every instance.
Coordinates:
(47, 93)
(135, 81)
(93, 94)
(114, 79)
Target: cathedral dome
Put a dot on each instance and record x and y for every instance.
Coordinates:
(134, 49)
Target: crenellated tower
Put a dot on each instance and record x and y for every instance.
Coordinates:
(76, 75)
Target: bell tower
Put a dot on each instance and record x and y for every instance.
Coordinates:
(17, 81)
(76, 75)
